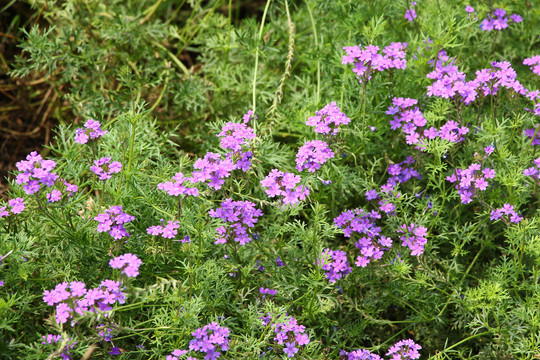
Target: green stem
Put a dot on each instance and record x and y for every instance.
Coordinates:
(228, 36)
(315, 36)
(254, 88)
(463, 341)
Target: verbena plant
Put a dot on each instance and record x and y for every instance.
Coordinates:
(332, 180)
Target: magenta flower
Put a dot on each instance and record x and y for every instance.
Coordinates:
(288, 333)
(179, 186)
(34, 172)
(312, 155)
(129, 264)
(367, 60)
(284, 185)
(239, 217)
(327, 120)
(404, 350)
(168, 231)
(113, 221)
(17, 206)
(414, 237)
(92, 131)
(335, 263)
(104, 168)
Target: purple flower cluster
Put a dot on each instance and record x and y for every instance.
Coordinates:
(168, 231)
(73, 298)
(335, 263)
(534, 63)
(104, 168)
(507, 210)
(361, 224)
(469, 180)
(451, 83)
(414, 237)
(92, 131)
(235, 136)
(327, 120)
(113, 221)
(366, 60)
(533, 172)
(498, 20)
(56, 195)
(399, 173)
(17, 207)
(360, 354)
(53, 339)
(178, 186)
(312, 155)
(129, 264)
(239, 216)
(530, 133)
(210, 340)
(105, 332)
(404, 350)
(35, 171)
(411, 120)
(214, 169)
(288, 333)
(284, 184)
(410, 14)
(265, 291)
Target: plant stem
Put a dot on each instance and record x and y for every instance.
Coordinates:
(254, 88)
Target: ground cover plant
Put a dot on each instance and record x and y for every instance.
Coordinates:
(327, 180)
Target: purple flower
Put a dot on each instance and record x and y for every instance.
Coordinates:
(17, 206)
(34, 172)
(78, 300)
(404, 350)
(178, 186)
(265, 291)
(371, 194)
(54, 196)
(312, 155)
(92, 131)
(327, 120)
(469, 9)
(508, 210)
(288, 333)
(211, 339)
(534, 63)
(414, 237)
(129, 264)
(279, 262)
(290, 349)
(168, 231)
(360, 224)
(104, 168)
(54, 339)
(113, 221)
(115, 351)
(239, 217)
(214, 169)
(335, 263)
(367, 60)
(360, 354)
(284, 185)
(235, 136)
(410, 14)
(469, 180)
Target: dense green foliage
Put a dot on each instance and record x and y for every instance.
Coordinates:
(473, 293)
